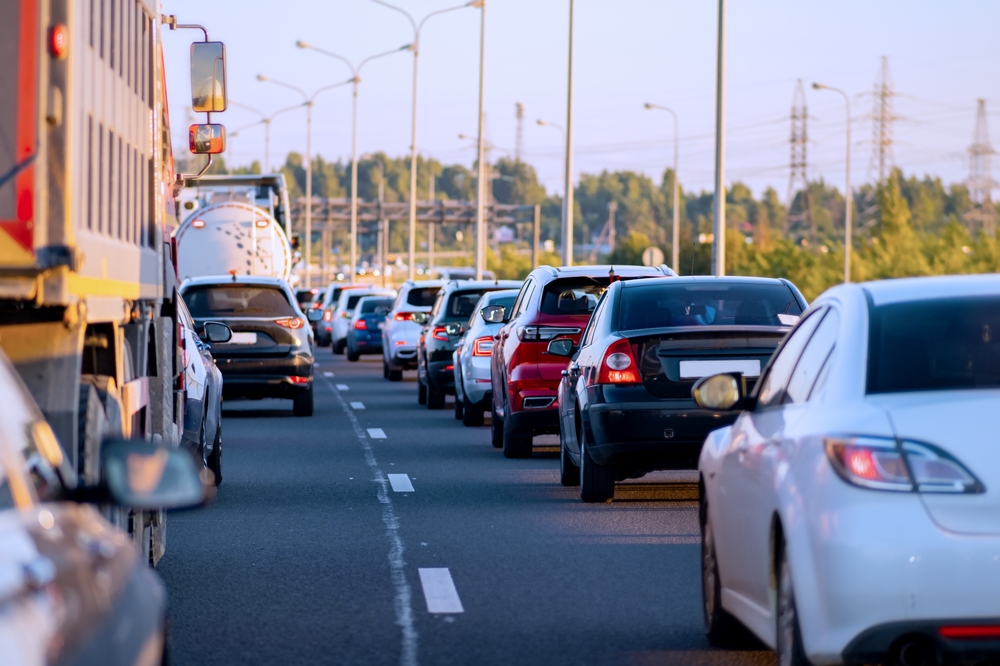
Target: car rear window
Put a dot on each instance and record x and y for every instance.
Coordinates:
(573, 296)
(937, 345)
(461, 305)
(234, 300)
(712, 304)
(372, 304)
(352, 301)
(422, 297)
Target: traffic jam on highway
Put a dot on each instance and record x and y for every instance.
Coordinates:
(845, 489)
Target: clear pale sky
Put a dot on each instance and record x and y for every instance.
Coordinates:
(942, 57)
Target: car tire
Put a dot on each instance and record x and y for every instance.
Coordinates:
(421, 392)
(395, 375)
(597, 482)
(515, 444)
(788, 635)
(302, 404)
(720, 626)
(473, 416)
(459, 409)
(385, 369)
(338, 348)
(569, 473)
(435, 397)
(214, 462)
(496, 428)
(353, 356)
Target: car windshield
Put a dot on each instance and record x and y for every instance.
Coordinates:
(461, 305)
(573, 296)
(717, 303)
(946, 344)
(422, 296)
(376, 306)
(235, 300)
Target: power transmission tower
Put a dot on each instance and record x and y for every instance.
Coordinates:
(981, 183)
(798, 162)
(519, 113)
(882, 119)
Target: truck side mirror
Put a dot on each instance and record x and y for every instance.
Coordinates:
(146, 475)
(207, 139)
(208, 77)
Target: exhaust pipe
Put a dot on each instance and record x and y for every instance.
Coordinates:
(914, 651)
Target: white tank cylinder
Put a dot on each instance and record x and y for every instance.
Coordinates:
(232, 237)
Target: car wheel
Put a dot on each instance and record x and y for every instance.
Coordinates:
(435, 397)
(569, 473)
(353, 356)
(459, 409)
(719, 624)
(597, 482)
(338, 348)
(472, 415)
(421, 392)
(496, 428)
(395, 375)
(302, 404)
(385, 369)
(788, 637)
(215, 457)
(515, 444)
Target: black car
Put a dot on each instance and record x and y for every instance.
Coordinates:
(270, 352)
(625, 404)
(364, 334)
(442, 328)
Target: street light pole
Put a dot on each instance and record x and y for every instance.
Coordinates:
(481, 184)
(567, 221)
(719, 221)
(266, 122)
(355, 80)
(415, 47)
(849, 199)
(675, 252)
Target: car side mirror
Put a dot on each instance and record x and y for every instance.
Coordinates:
(561, 347)
(720, 393)
(314, 314)
(493, 314)
(419, 318)
(148, 476)
(208, 77)
(216, 331)
(453, 329)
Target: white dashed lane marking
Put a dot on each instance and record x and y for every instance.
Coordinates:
(376, 433)
(400, 483)
(439, 591)
(342, 387)
(327, 373)
(357, 405)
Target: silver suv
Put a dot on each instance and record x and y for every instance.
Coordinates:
(400, 333)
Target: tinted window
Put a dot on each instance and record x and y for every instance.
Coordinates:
(372, 304)
(713, 304)
(572, 296)
(523, 298)
(813, 359)
(332, 295)
(772, 388)
(305, 296)
(588, 335)
(422, 297)
(946, 344)
(461, 305)
(352, 301)
(237, 301)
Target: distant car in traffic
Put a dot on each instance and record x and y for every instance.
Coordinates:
(441, 329)
(305, 297)
(344, 310)
(625, 405)
(270, 352)
(400, 333)
(365, 331)
(326, 303)
(74, 589)
(553, 303)
(851, 514)
(472, 356)
(449, 273)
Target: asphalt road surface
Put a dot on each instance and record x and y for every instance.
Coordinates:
(316, 551)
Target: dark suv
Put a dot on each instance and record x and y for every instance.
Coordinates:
(442, 328)
(553, 303)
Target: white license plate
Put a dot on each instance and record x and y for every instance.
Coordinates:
(693, 369)
(243, 339)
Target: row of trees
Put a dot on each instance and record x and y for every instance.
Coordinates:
(906, 226)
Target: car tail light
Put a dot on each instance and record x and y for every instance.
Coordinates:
(544, 333)
(971, 631)
(441, 333)
(403, 316)
(299, 380)
(881, 463)
(483, 346)
(618, 365)
(361, 325)
(328, 315)
(346, 313)
(294, 323)
(317, 306)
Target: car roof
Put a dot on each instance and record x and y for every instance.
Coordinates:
(602, 270)
(901, 290)
(501, 293)
(418, 284)
(235, 279)
(473, 285)
(704, 279)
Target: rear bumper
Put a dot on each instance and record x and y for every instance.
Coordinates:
(877, 643)
(267, 377)
(365, 343)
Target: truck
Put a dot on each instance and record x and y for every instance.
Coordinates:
(87, 209)
(233, 226)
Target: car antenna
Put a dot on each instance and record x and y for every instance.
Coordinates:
(611, 276)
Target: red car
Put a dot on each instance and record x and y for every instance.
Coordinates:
(553, 303)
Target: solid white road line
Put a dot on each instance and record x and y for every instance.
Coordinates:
(357, 405)
(327, 373)
(342, 387)
(397, 565)
(400, 483)
(376, 433)
(439, 591)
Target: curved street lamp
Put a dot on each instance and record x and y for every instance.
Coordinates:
(847, 182)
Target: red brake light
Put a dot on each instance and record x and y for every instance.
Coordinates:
(403, 316)
(328, 315)
(971, 631)
(299, 380)
(483, 346)
(618, 365)
(293, 323)
(361, 325)
(441, 333)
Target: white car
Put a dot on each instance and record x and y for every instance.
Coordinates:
(473, 353)
(345, 310)
(851, 514)
(400, 333)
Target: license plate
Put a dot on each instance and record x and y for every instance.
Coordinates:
(694, 369)
(243, 339)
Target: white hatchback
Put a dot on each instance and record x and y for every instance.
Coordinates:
(851, 514)
(473, 356)
(400, 333)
